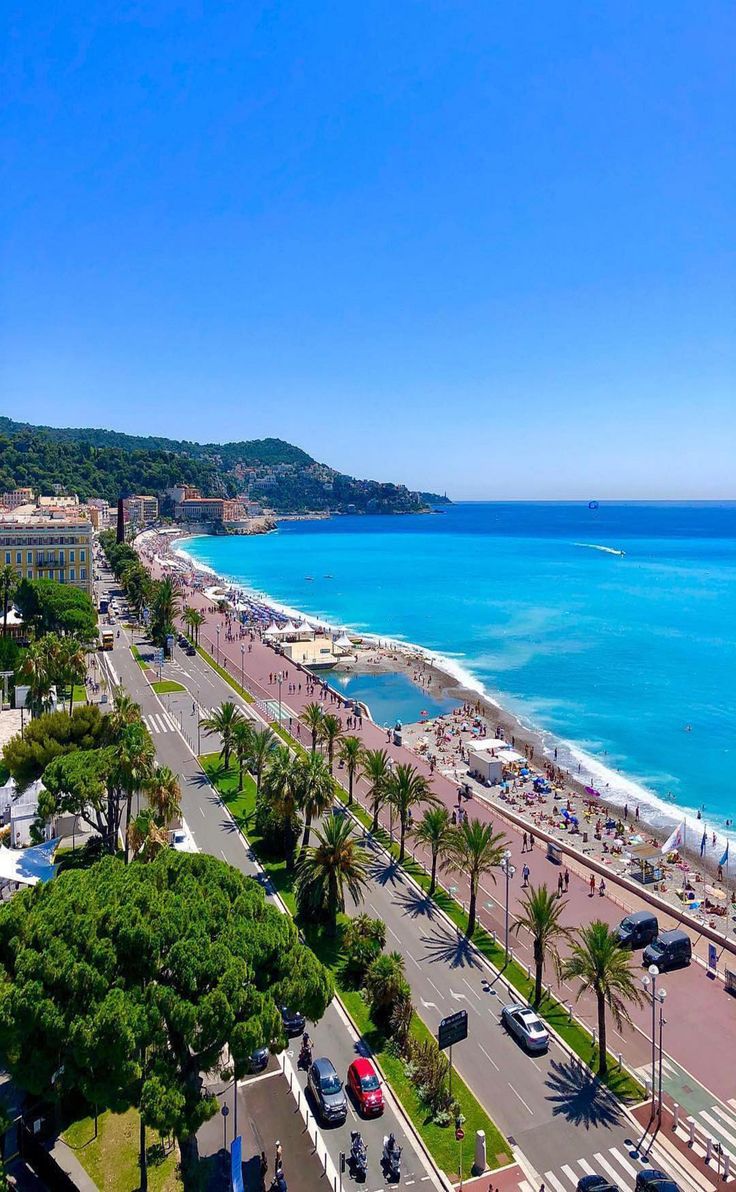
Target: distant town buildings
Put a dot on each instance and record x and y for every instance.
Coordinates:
(141, 510)
(19, 496)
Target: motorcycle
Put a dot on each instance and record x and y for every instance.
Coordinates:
(305, 1055)
(358, 1156)
(391, 1159)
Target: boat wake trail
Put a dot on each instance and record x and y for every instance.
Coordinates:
(609, 550)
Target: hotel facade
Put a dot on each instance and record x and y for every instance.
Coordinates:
(43, 545)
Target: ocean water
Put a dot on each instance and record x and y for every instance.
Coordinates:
(391, 697)
(611, 629)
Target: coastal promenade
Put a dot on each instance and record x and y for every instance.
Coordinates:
(700, 1015)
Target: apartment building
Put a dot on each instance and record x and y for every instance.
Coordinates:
(19, 496)
(42, 545)
(141, 509)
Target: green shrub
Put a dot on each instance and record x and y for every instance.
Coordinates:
(363, 941)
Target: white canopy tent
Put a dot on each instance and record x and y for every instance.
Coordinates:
(28, 866)
(272, 631)
(343, 643)
(304, 629)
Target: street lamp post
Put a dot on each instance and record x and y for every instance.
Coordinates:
(279, 680)
(217, 630)
(242, 665)
(509, 870)
(650, 982)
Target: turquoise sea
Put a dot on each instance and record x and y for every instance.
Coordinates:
(610, 628)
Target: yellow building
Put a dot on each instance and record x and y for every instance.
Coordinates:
(40, 545)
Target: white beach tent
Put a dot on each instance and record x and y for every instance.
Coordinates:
(28, 866)
(305, 630)
(272, 631)
(343, 643)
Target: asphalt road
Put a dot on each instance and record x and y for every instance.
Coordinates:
(214, 832)
(552, 1110)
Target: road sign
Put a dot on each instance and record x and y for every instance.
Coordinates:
(453, 1029)
(459, 1134)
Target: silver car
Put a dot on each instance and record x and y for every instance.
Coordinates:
(526, 1026)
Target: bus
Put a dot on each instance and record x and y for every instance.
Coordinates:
(107, 639)
(104, 604)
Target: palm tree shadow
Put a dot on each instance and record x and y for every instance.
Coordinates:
(386, 873)
(579, 1096)
(455, 950)
(415, 903)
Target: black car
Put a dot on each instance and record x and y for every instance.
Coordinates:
(190, 650)
(258, 1060)
(293, 1020)
(596, 1183)
(328, 1091)
(653, 1180)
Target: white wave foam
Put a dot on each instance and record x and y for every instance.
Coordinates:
(609, 550)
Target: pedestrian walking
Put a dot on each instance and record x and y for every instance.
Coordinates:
(531, 841)
(524, 842)
(560, 885)
(567, 879)
(592, 884)
(525, 875)
(279, 1159)
(602, 888)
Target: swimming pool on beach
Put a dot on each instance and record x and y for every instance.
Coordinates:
(390, 696)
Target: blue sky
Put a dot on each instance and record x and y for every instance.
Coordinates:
(475, 246)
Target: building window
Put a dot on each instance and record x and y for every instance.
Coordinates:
(82, 556)
(72, 574)
(29, 556)
(29, 573)
(83, 573)
(19, 556)
(7, 556)
(71, 556)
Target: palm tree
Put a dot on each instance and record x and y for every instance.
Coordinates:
(351, 756)
(38, 669)
(164, 795)
(146, 837)
(72, 664)
(540, 916)
(198, 620)
(165, 601)
(223, 721)
(315, 788)
(376, 770)
(434, 831)
(188, 616)
(134, 761)
(242, 740)
(600, 963)
(330, 731)
(125, 710)
(9, 581)
(333, 868)
(312, 716)
(475, 850)
(280, 789)
(385, 981)
(262, 744)
(407, 788)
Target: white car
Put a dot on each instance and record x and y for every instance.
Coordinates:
(526, 1026)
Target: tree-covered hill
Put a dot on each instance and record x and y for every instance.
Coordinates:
(103, 463)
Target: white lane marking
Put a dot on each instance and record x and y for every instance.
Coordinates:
(170, 721)
(586, 1167)
(610, 1171)
(222, 854)
(551, 1179)
(716, 1125)
(513, 1090)
(393, 933)
(570, 1173)
(726, 1117)
(151, 724)
(202, 810)
(489, 1058)
(414, 959)
(434, 986)
(524, 1187)
(473, 991)
(628, 1167)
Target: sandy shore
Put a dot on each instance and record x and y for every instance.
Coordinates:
(375, 655)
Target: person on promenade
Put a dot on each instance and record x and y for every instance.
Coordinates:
(525, 874)
(560, 885)
(592, 884)
(524, 842)
(602, 888)
(567, 879)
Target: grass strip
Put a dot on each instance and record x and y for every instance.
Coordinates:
(439, 1140)
(245, 695)
(166, 687)
(137, 655)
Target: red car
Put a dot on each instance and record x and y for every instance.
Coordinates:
(365, 1086)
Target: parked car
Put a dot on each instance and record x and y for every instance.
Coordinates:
(596, 1183)
(669, 950)
(190, 650)
(526, 1026)
(328, 1091)
(637, 930)
(293, 1021)
(365, 1086)
(258, 1060)
(653, 1180)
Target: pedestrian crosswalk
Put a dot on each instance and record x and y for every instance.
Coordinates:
(717, 1122)
(159, 722)
(613, 1164)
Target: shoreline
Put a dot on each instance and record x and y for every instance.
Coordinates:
(587, 776)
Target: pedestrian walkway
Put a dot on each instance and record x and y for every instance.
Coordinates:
(160, 722)
(613, 1164)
